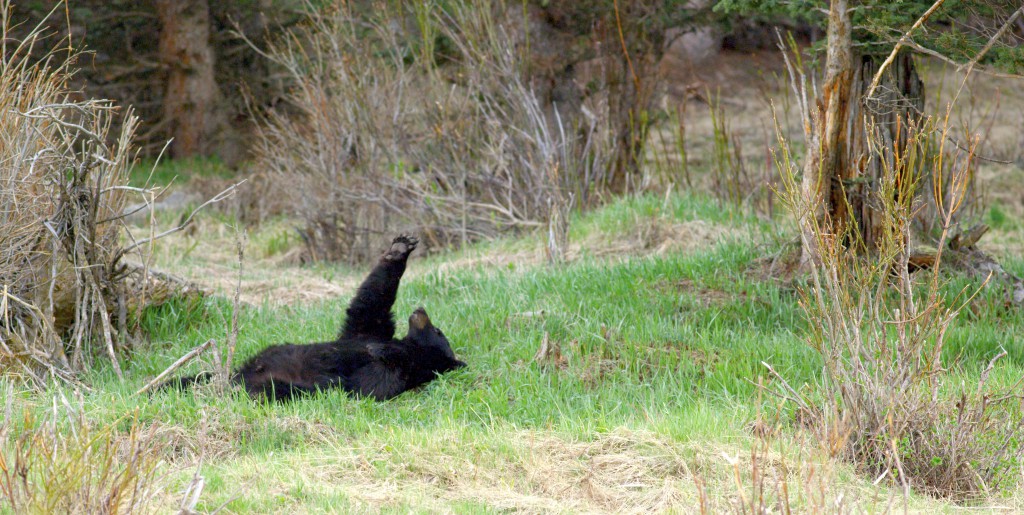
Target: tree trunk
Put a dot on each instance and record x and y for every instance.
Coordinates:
(826, 164)
(190, 100)
(841, 173)
(891, 116)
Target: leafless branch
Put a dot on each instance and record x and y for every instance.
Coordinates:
(791, 394)
(992, 41)
(107, 332)
(977, 68)
(188, 357)
(226, 193)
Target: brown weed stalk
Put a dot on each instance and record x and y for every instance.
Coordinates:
(62, 463)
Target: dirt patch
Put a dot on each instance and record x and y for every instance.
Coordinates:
(660, 236)
(782, 266)
(596, 369)
(709, 296)
(701, 358)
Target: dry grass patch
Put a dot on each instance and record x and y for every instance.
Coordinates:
(659, 236)
(709, 296)
(207, 256)
(654, 237)
(272, 274)
(622, 471)
(63, 463)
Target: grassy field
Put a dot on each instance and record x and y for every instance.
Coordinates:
(663, 317)
(658, 399)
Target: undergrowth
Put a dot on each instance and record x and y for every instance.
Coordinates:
(658, 388)
(60, 461)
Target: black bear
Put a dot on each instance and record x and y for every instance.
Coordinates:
(366, 359)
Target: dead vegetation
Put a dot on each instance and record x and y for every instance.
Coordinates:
(68, 294)
(64, 463)
(276, 278)
(365, 154)
(885, 402)
(622, 471)
(62, 195)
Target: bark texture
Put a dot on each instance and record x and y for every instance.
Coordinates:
(841, 172)
(826, 162)
(891, 114)
(191, 96)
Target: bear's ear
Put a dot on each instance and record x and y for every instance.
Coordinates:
(419, 319)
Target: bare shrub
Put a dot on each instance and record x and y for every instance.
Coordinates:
(391, 132)
(887, 402)
(66, 293)
(60, 178)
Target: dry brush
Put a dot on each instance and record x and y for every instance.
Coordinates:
(67, 292)
(888, 400)
(422, 118)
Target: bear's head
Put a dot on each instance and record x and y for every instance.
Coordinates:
(432, 349)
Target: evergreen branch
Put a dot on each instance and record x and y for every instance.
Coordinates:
(899, 44)
(992, 41)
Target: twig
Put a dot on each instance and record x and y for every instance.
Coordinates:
(216, 198)
(988, 369)
(189, 356)
(799, 89)
(792, 394)
(105, 323)
(898, 46)
(233, 332)
(152, 195)
(992, 41)
(191, 494)
(625, 51)
(947, 59)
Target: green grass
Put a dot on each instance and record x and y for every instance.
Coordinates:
(149, 172)
(663, 353)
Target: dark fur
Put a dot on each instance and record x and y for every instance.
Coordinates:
(366, 359)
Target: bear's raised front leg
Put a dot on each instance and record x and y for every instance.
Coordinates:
(369, 313)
